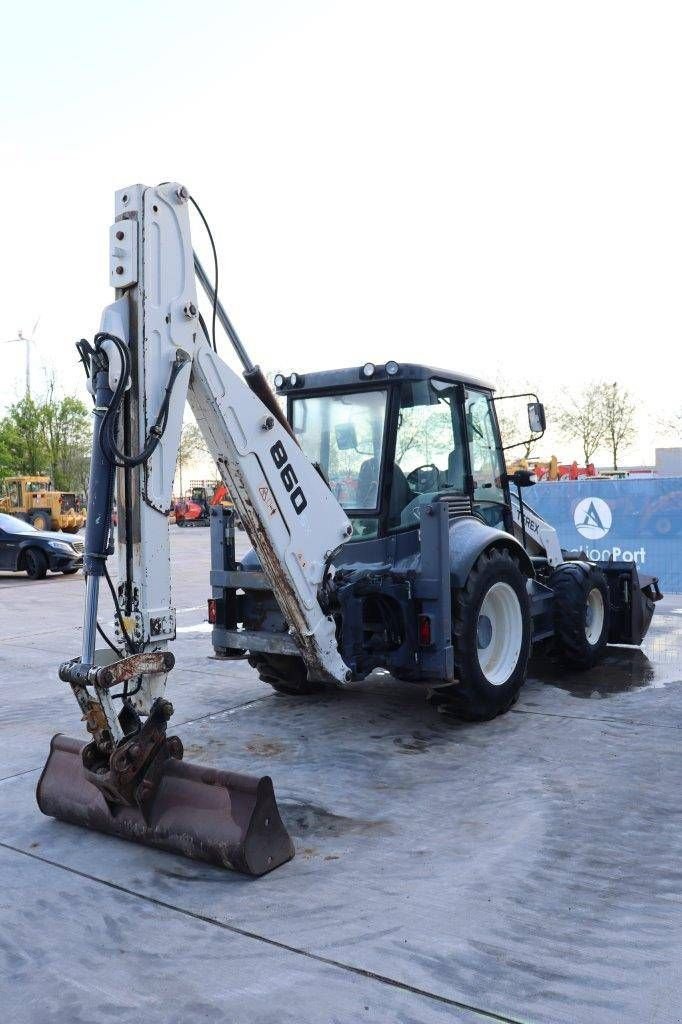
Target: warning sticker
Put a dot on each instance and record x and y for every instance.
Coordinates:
(268, 500)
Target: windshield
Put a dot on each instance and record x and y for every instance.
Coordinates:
(344, 434)
(11, 525)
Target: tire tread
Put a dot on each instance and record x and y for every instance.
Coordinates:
(465, 699)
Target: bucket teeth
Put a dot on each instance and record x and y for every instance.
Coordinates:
(224, 818)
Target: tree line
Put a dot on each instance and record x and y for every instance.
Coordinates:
(52, 436)
(47, 437)
(600, 416)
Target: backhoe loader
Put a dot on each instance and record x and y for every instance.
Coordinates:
(383, 531)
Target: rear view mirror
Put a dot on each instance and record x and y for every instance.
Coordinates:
(536, 417)
(346, 438)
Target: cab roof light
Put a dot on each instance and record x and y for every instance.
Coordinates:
(392, 367)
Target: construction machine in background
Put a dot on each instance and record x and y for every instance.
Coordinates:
(383, 532)
(34, 499)
(195, 508)
(553, 470)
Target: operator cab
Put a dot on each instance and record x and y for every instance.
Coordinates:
(391, 438)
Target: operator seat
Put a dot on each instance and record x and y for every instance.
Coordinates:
(401, 495)
(455, 474)
(368, 485)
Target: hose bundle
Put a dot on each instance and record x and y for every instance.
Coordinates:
(109, 425)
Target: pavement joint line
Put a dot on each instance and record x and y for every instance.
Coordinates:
(589, 718)
(488, 1015)
(226, 711)
(191, 721)
(17, 775)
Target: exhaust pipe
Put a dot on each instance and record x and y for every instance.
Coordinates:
(223, 818)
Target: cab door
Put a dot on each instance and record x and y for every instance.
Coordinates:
(486, 463)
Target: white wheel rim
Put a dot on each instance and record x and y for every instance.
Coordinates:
(499, 633)
(594, 616)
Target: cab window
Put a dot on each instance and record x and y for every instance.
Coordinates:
(344, 435)
(485, 458)
(429, 452)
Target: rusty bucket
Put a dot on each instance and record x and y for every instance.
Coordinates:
(221, 817)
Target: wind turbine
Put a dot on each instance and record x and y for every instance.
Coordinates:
(28, 341)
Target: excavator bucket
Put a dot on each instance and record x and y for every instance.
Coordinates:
(221, 817)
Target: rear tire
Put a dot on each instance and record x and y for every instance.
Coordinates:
(70, 572)
(581, 614)
(285, 673)
(35, 564)
(492, 639)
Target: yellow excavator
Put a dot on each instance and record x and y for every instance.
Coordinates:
(34, 499)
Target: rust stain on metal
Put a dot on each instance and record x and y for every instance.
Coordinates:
(135, 665)
(95, 719)
(282, 588)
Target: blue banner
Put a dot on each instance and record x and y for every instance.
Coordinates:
(634, 520)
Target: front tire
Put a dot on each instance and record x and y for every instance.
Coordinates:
(70, 572)
(492, 639)
(40, 521)
(35, 564)
(581, 614)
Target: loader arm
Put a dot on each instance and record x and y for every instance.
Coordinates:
(151, 356)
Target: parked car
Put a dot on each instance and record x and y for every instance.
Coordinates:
(25, 549)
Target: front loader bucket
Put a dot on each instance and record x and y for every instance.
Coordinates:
(633, 599)
(221, 817)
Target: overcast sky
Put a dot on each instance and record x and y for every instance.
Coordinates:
(491, 187)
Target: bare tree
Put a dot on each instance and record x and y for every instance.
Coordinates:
(619, 418)
(671, 424)
(191, 444)
(583, 419)
(508, 422)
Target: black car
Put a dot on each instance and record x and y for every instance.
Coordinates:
(25, 549)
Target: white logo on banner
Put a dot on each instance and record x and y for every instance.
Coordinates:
(592, 518)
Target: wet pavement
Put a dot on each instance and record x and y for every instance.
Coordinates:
(527, 869)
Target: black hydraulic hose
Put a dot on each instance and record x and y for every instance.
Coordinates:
(107, 641)
(130, 644)
(215, 268)
(106, 455)
(112, 451)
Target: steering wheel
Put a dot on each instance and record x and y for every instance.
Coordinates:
(421, 483)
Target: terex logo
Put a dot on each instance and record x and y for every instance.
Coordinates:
(592, 518)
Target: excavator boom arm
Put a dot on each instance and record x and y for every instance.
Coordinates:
(151, 356)
(291, 517)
